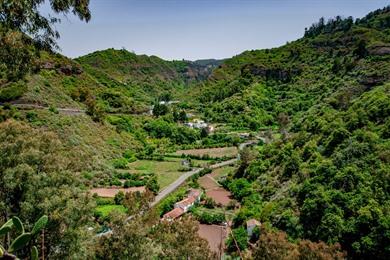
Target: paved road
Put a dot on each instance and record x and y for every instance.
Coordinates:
(173, 186)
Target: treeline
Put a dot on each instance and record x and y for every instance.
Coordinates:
(339, 24)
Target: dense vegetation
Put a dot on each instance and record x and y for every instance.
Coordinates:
(327, 180)
(320, 189)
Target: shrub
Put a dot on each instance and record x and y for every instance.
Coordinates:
(13, 91)
(120, 163)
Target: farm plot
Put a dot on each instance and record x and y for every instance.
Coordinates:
(213, 189)
(215, 236)
(166, 171)
(110, 192)
(212, 152)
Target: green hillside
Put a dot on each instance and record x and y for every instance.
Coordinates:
(338, 64)
(319, 177)
(329, 95)
(139, 80)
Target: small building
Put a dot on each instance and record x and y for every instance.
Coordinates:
(197, 124)
(244, 135)
(196, 194)
(250, 225)
(185, 163)
(186, 203)
(173, 214)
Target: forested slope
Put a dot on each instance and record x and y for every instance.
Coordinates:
(329, 94)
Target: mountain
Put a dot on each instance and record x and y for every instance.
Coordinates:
(328, 94)
(141, 77)
(341, 61)
(321, 103)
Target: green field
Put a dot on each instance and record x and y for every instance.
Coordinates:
(105, 210)
(166, 171)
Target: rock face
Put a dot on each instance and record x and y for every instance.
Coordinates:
(67, 69)
(279, 74)
(380, 50)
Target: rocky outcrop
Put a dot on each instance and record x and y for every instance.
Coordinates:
(67, 69)
(380, 50)
(278, 74)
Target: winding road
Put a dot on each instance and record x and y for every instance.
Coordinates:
(179, 181)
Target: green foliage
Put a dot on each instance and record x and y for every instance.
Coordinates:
(24, 238)
(239, 239)
(34, 253)
(17, 223)
(20, 242)
(12, 91)
(120, 163)
(209, 218)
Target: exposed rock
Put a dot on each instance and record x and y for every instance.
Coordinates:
(280, 74)
(380, 50)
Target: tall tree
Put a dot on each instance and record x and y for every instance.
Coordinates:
(24, 31)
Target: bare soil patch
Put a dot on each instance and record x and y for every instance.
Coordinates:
(212, 152)
(112, 191)
(215, 236)
(219, 195)
(207, 182)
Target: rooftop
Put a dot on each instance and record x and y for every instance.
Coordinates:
(252, 222)
(173, 214)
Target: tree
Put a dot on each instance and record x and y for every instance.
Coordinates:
(160, 109)
(180, 240)
(238, 238)
(36, 178)
(24, 31)
(275, 245)
(119, 197)
(24, 16)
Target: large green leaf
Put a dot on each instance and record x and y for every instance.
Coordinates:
(40, 224)
(6, 227)
(34, 253)
(18, 224)
(20, 242)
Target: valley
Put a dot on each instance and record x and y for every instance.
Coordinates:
(280, 153)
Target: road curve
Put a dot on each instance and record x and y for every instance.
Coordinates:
(179, 181)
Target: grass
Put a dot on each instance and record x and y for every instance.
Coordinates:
(105, 210)
(166, 171)
(221, 172)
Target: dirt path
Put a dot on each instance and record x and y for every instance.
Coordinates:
(67, 111)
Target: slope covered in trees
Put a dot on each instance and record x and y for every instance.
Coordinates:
(326, 179)
(253, 88)
(329, 94)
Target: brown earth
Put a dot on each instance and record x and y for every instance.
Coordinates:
(219, 195)
(215, 236)
(112, 191)
(212, 152)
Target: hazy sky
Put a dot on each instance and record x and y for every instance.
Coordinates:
(198, 29)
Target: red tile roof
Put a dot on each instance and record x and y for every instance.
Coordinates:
(175, 213)
(185, 202)
(194, 193)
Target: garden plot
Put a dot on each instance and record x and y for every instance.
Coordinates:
(166, 171)
(212, 152)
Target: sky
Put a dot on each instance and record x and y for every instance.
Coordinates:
(198, 29)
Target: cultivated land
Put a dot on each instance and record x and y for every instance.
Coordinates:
(215, 236)
(166, 172)
(213, 189)
(212, 152)
(110, 192)
(105, 210)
